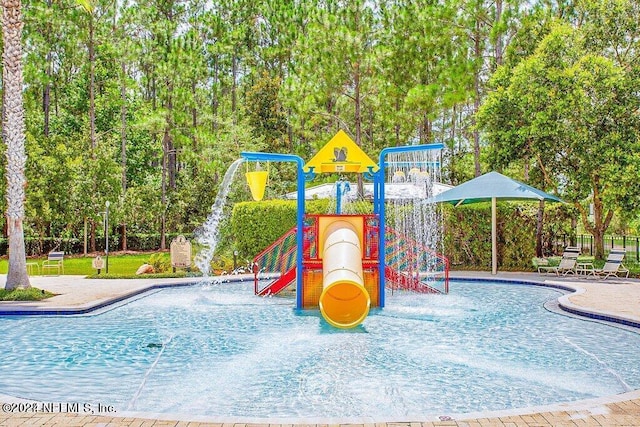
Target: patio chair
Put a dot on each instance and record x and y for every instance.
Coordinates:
(612, 266)
(54, 261)
(567, 263)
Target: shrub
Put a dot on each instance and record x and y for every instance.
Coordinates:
(467, 230)
(160, 263)
(467, 233)
(255, 225)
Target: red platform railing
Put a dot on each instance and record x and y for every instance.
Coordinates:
(409, 265)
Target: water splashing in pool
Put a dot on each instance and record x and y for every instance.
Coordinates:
(411, 215)
(207, 235)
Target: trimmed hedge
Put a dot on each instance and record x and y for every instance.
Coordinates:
(255, 225)
(467, 236)
(467, 230)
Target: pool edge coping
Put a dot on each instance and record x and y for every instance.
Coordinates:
(94, 306)
(564, 303)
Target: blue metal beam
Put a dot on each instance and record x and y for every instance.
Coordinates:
(379, 207)
(274, 157)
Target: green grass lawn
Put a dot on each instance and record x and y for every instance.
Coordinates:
(79, 265)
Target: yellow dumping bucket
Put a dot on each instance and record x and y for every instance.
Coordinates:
(344, 302)
(257, 181)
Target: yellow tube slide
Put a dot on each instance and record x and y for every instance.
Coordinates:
(344, 302)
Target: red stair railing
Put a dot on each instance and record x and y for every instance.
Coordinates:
(410, 265)
(276, 260)
(279, 259)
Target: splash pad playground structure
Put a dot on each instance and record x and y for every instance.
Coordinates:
(342, 263)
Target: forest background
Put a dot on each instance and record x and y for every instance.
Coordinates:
(146, 103)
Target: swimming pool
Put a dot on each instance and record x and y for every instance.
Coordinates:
(220, 351)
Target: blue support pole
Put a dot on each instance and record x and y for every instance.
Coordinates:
(271, 157)
(378, 184)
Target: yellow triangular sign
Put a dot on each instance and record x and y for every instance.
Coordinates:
(340, 154)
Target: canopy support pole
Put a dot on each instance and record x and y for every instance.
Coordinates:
(494, 237)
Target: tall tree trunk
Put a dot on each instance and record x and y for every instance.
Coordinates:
(92, 112)
(452, 137)
(14, 139)
(498, 46)
(214, 100)
(123, 127)
(358, 121)
(163, 197)
(92, 83)
(476, 101)
(194, 117)
(167, 139)
(289, 129)
(92, 235)
(425, 130)
(601, 221)
(46, 97)
(539, 229)
(171, 160)
(234, 86)
(2, 123)
(170, 155)
(56, 105)
(123, 237)
(598, 242)
(46, 91)
(396, 127)
(123, 146)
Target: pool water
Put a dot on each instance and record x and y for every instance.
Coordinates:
(218, 350)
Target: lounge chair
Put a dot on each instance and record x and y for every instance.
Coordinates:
(567, 263)
(54, 261)
(612, 266)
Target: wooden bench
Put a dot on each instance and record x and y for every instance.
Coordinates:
(54, 261)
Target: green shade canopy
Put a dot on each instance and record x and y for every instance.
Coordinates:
(490, 187)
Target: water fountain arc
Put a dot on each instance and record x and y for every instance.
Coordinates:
(207, 237)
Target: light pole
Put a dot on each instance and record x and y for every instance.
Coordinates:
(106, 236)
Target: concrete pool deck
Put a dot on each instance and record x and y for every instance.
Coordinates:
(614, 299)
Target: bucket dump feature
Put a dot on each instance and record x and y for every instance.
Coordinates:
(257, 181)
